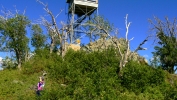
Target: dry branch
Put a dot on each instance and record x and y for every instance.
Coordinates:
(54, 29)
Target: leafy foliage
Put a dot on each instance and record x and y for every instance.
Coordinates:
(83, 75)
(166, 49)
(38, 38)
(13, 32)
(138, 78)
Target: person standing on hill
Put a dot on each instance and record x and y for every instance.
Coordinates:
(40, 86)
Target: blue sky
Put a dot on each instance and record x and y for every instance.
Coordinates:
(139, 12)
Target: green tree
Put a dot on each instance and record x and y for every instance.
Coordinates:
(38, 38)
(155, 61)
(167, 43)
(13, 36)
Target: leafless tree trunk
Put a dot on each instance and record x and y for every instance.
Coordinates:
(123, 54)
(65, 33)
(53, 28)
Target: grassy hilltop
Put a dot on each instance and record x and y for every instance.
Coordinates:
(87, 76)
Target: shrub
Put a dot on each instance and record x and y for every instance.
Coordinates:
(87, 75)
(138, 78)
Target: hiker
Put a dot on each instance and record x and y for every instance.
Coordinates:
(40, 86)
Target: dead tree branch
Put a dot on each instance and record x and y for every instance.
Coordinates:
(53, 27)
(123, 54)
(127, 24)
(140, 45)
(123, 61)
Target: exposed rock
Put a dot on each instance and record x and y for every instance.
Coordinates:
(103, 43)
(75, 47)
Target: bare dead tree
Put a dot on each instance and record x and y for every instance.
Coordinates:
(126, 53)
(51, 32)
(54, 30)
(169, 28)
(65, 33)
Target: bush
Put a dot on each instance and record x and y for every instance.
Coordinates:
(86, 76)
(138, 78)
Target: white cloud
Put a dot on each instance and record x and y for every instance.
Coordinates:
(146, 56)
(152, 59)
(0, 60)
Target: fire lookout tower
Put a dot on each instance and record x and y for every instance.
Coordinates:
(79, 11)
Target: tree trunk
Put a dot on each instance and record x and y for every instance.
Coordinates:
(19, 66)
(52, 45)
(64, 44)
(19, 60)
(120, 67)
(19, 63)
(171, 69)
(26, 56)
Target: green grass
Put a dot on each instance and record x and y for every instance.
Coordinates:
(15, 85)
(94, 77)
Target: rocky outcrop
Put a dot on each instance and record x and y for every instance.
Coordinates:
(75, 47)
(102, 44)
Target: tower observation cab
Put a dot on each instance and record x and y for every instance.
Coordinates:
(82, 7)
(79, 11)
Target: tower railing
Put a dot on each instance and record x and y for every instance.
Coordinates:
(92, 1)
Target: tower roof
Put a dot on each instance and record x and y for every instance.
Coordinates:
(82, 7)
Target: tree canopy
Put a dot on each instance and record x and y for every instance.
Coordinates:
(13, 36)
(166, 49)
(38, 38)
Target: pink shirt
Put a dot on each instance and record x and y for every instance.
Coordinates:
(40, 85)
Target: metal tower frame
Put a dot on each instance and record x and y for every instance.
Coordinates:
(79, 11)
